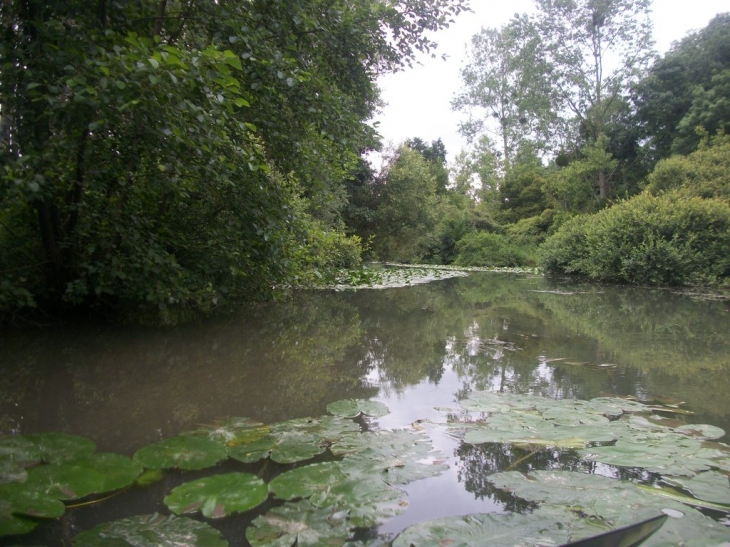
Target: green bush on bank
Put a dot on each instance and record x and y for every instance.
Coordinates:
(488, 249)
(670, 239)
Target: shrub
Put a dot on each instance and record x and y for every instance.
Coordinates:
(325, 253)
(487, 249)
(669, 239)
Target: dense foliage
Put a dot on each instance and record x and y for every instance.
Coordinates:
(161, 153)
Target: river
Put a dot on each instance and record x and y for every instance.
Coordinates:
(416, 349)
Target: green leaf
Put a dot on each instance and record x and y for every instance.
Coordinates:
(23, 498)
(11, 525)
(310, 480)
(219, 495)
(709, 486)
(702, 431)
(59, 447)
(351, 408)
(151, 531)
(20, 450)
(240, 101)
(299, 524)
(184, 452)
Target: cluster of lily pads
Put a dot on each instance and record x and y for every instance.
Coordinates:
(325, 501)
(341, 476)
(392, 276)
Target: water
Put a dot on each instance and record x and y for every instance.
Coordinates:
(415, 349)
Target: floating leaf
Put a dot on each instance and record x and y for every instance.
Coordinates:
(299, 524)
(355, 407)
(11, 525)
(397, 457)
(11, 472)
(151, 530)
(20, 451)
(709, 486)
(235, 431)
(314, 480)
(20, 499)
(367, 503)
(88, 475)
(703, 431)
(219, 495)
(59, 447)
(327, 429)
(188, 452)
(544, 527)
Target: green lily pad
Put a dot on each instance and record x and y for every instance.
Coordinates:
(352, 408)
(703, 431)
(611, 501)
(151, 531)
(219, 495)
(11, 472)
(19, 450)
(21, 498)
(709, 486)
(544, 527)
(314, 480)
(11, 525)
(367, 503)
(64, 481)
(187, 452)
(397, 457)
(299, 524)
(328, 429)
(59, 447)
(235, 431)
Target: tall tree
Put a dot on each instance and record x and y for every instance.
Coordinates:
(172, 151)
(505, 88)
(595, 49)
(685, 89)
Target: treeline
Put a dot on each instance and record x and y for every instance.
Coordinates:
(620, 175)
(161, 155)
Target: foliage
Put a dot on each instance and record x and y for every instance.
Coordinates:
(148, 530)
(218, 496)
(658, 240)
(684, 89)
(489, 249)
(505, 84)
(435, 156)
(522, 192)
(163, 154)
(704, 173)
(405, 211)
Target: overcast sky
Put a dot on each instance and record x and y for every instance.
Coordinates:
(418, 99)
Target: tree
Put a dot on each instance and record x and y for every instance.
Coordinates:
(435, 156)
(174, 152)
(582, 39)
(684, 89)
(506, 90)
(406, 211)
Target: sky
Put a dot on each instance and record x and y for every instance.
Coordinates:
(418, 100)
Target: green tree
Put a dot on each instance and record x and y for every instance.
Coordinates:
(683, 81)
(506, 90)
(167, 152)
(582, 38)
(435, 156)
(406, 211)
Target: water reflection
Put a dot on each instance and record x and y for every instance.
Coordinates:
(417, 349)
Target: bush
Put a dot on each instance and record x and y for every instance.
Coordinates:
(658, 240)
(487, 249)
(325, 253)
(704, 173)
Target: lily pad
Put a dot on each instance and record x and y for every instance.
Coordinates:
(59, 447)
(19, 450)
(11, 472)
(11, 525)
(219, 495)
(709, 486)
(352, 408)
(328, 429)
(235, 431)
(188, 452)
(289, 447)
(610, 501)
(151, 531)
(397, 457)
(314, 480)
(366, 503)
(544, 527)
(299, 524)
(703, 431)
(19, 499)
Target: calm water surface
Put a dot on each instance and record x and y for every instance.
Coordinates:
(415, 349)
